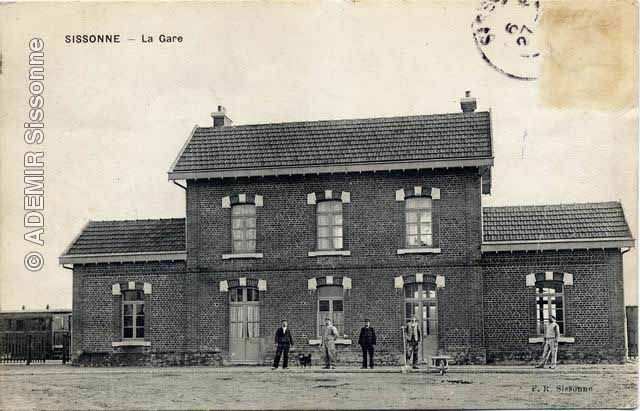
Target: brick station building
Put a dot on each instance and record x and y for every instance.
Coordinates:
(351, 219)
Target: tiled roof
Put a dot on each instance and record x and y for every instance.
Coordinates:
(130, 236)
(555, 222)
(438, 137)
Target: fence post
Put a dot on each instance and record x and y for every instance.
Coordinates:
(28, 348)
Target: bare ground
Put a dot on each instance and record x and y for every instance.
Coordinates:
(58, 387)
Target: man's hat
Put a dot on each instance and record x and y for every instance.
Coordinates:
(552, 317)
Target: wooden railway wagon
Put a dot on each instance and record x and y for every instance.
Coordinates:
(35, 335)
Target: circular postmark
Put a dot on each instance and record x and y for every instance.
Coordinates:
(505, 34)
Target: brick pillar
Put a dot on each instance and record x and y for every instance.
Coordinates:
(617, 311)
(477, 349)
(192, 311)
(76, 321)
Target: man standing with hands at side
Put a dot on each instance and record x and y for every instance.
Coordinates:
(551, 338)
(413, 336)
(284, 341)
(329, 344)
(367, 340)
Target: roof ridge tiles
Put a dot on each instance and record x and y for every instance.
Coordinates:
(352, 120)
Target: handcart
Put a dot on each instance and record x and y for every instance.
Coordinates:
(440, 363)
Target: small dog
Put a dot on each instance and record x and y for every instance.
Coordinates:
(305, 360)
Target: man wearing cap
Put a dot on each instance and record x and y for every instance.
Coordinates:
(328, 344)
(367, 340)
(413, 336)
(551, 337)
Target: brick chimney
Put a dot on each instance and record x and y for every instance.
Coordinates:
(468, 103)
(220, 118)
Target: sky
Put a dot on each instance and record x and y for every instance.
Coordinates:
(116, 115)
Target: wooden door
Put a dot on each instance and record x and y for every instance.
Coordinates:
(244, 325)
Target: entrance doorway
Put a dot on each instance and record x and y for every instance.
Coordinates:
(420, 301)
(244, 325)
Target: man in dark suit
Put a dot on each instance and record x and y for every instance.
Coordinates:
(284, 341)
(367, 340)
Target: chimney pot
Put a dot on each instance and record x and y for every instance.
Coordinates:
(220, 118)
(468, 103)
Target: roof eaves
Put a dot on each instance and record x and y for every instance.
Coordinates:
(123, 257)
(565, 244)
(331, 168)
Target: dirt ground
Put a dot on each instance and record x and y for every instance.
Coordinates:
(60, 387)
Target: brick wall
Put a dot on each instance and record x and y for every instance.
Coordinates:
(373, 231)
(485, 311)
(193, 315)
(373, 220)
(594, 312)
(372, 296)
(97, 313)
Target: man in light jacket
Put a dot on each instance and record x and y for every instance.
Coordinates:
(551, 338)
(329, 344)
(413, 336)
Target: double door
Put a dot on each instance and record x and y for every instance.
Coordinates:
(244, 325)
(421, 302)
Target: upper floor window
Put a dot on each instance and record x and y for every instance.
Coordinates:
(418, 220)
(132, 314)
(243, 228)
(549, 301)
(329, 225)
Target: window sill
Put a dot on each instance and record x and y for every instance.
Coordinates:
(419, 251)
(328, 253)
(562, 339)
(339, 341)
(241, 255)
(131, 343)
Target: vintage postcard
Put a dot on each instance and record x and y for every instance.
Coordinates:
(319, 204)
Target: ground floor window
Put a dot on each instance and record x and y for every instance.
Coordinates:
(549, 301)
(330, 305)
(133, 314)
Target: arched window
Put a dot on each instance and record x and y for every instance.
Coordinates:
(549, 301)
